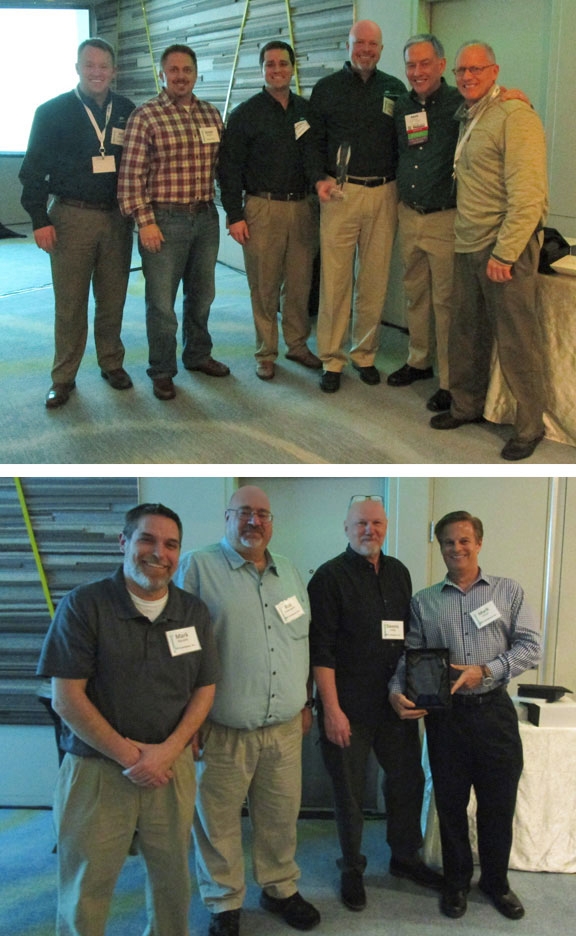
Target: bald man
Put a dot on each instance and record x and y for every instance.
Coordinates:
(358, 211)
(252, 744)
(360, 603)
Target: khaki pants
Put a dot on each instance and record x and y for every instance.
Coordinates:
(96, 811)
(427, 249)
(279, 257)
(93, 247)
(356, 238)
(265, 767)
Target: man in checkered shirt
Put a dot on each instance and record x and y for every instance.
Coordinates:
(167, 186)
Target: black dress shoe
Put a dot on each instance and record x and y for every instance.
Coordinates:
(294, 910)
(439, 401)
(352, 890)
(508, 904)
(415, 870)
(369, 375)
(407, 375)
(448, 421)
(59, 394)
(330, 381)
(515, 449)
(118, 379)
(453, 903)
(226, 923)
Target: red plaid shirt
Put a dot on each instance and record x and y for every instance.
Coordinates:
(170, 155)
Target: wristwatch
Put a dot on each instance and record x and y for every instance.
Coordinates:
(487, 677)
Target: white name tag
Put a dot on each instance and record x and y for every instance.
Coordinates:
(300, 128)
(485, 615)
(183, 640)
(117, 138)
(103, 164)
(209, 135)
(392, 630)
(290, 609)
(388, 106)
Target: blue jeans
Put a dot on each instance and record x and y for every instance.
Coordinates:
(188, 255)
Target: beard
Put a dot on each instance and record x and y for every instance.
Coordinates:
(145, 581)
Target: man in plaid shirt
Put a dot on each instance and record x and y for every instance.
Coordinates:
(167, 186)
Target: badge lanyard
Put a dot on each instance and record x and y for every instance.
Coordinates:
(466, 135)
(101, 134)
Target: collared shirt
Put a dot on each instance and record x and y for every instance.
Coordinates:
(441, 617)
(133, 680)
(264, 659)
(62, 143)
(170, 155)
(344, 108)
(349, 601)
(260, 151)
(425, 169)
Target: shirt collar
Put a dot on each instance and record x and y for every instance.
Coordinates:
(362, 561)
(236, 561)
(465, 113)
(90, 102)
(439, 92)
(446, 581)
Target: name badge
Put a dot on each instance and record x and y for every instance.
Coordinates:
(300, 128)
(485, 615)
(392, 630)
(103, 164)
(388, 107)
(417, 127)
(209, 134)
(290, 609)
(117, 137)
(183, 640)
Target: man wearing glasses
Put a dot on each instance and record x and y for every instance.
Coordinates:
(251, 746)
(360, 603)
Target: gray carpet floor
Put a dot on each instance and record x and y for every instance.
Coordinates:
(235, 420)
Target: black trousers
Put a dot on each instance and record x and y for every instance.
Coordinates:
(396, 745)
(476, 746)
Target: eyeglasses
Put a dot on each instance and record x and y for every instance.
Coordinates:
(357, 498)
(473, 69)
(246, 513)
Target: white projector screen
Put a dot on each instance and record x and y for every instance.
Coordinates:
(38, 54)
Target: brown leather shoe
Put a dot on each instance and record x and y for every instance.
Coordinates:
(306, 358)
(212, 368)
(163, 388)
(59, 394)
(118, 378)
(265, 370)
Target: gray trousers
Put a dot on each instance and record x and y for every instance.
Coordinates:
(485, 312)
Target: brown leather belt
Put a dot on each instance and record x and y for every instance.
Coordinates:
(93, 206)
(279, 196)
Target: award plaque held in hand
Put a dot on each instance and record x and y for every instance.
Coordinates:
(342, 160)
(428, 678)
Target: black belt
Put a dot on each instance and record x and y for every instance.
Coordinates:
(482, 698)
(424, 211)
(94, 206)
(180, 208)
(279, 196)
(373, 182)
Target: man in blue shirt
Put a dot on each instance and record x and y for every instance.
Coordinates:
(252, 744)
(492, 636)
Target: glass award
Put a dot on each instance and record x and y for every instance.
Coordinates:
(342, 160)
(428, 678)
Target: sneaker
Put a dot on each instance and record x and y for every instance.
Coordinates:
(226, 923)
(352, 890)
(369, 375)
(294, 910)
(407, 375)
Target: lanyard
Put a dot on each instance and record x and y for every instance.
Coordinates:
(101, 134)
(465, 134)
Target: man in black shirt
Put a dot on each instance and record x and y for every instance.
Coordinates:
(355, 106)
(360, 603)
(74, 154)
(262, 155)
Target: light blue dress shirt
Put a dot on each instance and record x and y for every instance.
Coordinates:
(441, 616)
(264, 660)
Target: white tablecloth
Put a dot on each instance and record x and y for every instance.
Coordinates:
(545, 819)
(556, 303)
